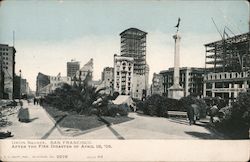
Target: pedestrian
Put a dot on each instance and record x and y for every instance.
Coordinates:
(34, 100)
(190, 114)
(213, 112)
(37, 101)
(196, 112)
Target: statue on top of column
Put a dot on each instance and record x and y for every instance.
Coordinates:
(178, 24)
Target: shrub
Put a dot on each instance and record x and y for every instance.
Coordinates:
(235, 120)
(114, 110)
(140, 105)
(225, 113)
(241, 109)
(155, 105)
(173, 104)
(189, 100)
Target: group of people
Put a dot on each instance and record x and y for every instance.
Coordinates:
(193, 113)
(38, 101)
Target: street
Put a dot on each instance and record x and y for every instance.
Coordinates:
(141, 127)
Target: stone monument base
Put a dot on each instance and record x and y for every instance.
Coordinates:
(175, 92)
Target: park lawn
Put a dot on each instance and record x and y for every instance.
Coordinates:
(82, 122)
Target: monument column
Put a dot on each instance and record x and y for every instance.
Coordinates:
(176, 91)
(177, 39)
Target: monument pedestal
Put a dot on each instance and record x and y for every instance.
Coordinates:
(175, 92)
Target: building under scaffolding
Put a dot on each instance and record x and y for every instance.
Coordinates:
(227, 67)
(229, 55)
(133, 44)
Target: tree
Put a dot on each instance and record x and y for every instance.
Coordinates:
(78, 97)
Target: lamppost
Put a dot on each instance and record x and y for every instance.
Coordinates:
(20, 89)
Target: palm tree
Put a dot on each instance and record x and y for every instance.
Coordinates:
(79, 97)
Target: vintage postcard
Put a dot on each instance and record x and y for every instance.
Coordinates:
(123, 80)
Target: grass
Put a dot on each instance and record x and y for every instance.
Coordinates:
(82, 122)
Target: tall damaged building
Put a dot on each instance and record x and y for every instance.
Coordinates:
(227, 67)
(133, 44)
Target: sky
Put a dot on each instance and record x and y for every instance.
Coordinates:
(49, 33)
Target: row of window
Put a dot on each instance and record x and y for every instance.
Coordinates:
(123, 79)
(4, 53)
(5, 67)
(5, 63)
(5, 58)
(230, 75)
(4, 49)
(124, 88)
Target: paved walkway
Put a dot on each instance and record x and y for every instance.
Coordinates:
(40, 127)
(141, 127)
(146, 127)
